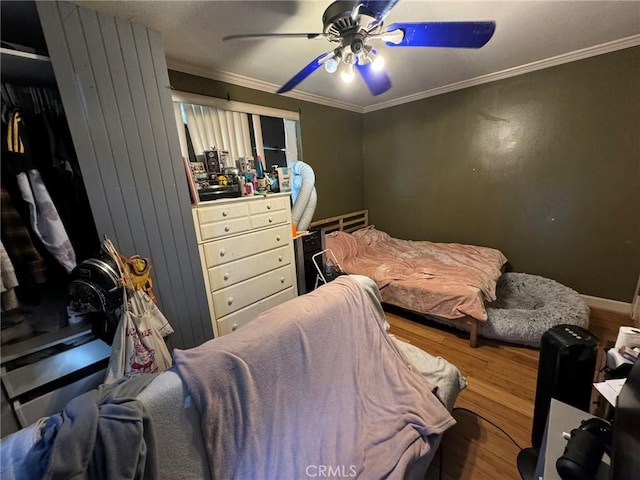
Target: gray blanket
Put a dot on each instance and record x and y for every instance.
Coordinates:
(314, 387)
(104, 433)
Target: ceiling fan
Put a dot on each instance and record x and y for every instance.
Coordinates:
(355, 26)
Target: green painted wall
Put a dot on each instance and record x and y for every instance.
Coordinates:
(331, 140)
(544, 166)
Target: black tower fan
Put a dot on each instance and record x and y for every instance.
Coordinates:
(565, 372)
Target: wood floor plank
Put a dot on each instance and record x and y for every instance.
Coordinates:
(501, 387)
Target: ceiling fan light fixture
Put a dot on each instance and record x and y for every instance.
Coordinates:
(351, 25)
(377, 64)
(366, 55)
(347, 75)
(331, 65)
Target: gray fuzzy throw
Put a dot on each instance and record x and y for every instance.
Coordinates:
(527, 306)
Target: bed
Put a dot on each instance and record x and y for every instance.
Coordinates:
(313, 386)
(444, 281)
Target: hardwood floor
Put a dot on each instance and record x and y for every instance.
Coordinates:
(501, 388)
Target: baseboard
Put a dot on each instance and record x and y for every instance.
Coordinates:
(607, 304)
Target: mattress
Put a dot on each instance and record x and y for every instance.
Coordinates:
(447, 280)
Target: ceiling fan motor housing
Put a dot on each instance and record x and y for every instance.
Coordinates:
(338, 19)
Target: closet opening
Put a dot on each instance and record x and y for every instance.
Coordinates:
(47, 228)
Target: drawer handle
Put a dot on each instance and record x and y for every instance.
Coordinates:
(268, 206)
(222, 252)
(229, 300)
(227, 228)
(278, 238)
(225, 213)
(234, 327)
(226, 276)
(270, 220)
(280, 258)
(281, 279)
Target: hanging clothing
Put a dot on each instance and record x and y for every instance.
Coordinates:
(29, 265)
(49, 149)
(43, 216)
(8, 282)
(56, 161)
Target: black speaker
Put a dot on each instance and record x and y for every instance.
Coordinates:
(215, 161)
(565, 372)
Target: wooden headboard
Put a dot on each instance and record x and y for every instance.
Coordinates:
(348, 222)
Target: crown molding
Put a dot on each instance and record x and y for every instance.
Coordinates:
(608, 47)
(268, 87)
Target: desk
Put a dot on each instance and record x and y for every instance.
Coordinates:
(562, 418)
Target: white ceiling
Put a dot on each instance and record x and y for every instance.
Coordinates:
(529, 35)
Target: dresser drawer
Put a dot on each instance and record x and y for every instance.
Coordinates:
(269, 219)
(231, 299)
(224, 227)
(240, 270)
(269, 205)
(230, 249)
(217, 213)
(237, 319)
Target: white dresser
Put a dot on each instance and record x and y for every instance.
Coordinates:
(246, 251)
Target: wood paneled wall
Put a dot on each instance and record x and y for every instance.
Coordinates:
(113, 81)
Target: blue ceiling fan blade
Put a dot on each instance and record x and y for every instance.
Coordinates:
(443, 34)
(304, 73)
(379, 8)
(377, 81)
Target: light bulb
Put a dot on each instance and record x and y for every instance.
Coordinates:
(378, 63)
(331, 65)
(348, 74)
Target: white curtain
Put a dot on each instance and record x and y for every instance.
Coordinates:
(214, 128)
(257, 131)
(182, 135)
(291, 140)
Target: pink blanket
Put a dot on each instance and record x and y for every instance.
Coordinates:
(311, 388)
(448, 280)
